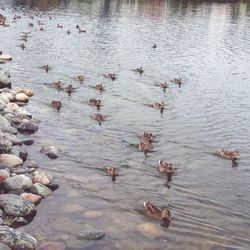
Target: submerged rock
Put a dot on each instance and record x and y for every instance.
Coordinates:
(50, 151)
(17, 240)
(4, 78)
(19, 152)
(90, 234)
(52, 246)
(41, 190)
(10, 161)
(16, 206)
(18, 182)
(28, 127)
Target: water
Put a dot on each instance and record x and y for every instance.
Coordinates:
(207, 44)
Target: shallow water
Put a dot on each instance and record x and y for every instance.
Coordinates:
(207, 44)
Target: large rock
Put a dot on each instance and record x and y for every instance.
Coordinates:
(12, 106)
(19, 182)
(16, 206)
(22, 113)
(50, 151)
(43, 178)
(14, 140)
(90, 234)
(5, 126)
(19, 152)
(5, 146)
(34, 198)
(2, 104)
(10, 161)
(17, 240)
(21, 97)
(28, 127)
(41, 190)
(10, 96)
(4, 246)
(4, 78)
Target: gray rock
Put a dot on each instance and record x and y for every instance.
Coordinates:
(90, 234)
(14, 205)
(32, 164)
(13, 139)
(28, 127)
(5, 173)
(18, 182)
(5, 146)
(43, 178)
(2, 104)
(28, 142)
(13, 120)
(10, 161)
(22, 113)
(41, 190)
(19, 152)
(18, 171)
(11, 96)
(17, 240)
(5, 126)
(50, 151)
(4, 79)
(4, 247)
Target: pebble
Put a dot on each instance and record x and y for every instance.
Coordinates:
(41, 190)
(21, 97)
(28, 127)
(10, 161)
(34, 198)
(90, 234)
(18, 182)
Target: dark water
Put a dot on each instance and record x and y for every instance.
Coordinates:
(207, 44)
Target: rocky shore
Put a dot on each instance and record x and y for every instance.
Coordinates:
(22, 184)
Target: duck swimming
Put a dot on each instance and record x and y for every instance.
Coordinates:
(112, 76)
(177, 81)
(56, 104)
(69, 89)
(98, 117)
(81, 30)
(165, 168)
(79, 78)
(145, 147)
(229, 155)
(160, 106)
(147, 137)
(59, 26)
(68, 32)
(99, 87)
(139, 70)
(157, 213)
(164, 86)
(57, 85)
(111, 171)
(45, 67)
(41, 28)
(22, 46)
(94, 102)
(154, 46)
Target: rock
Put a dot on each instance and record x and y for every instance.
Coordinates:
(2, 104)
(5, 146)
(19, 221)
(22, 113)
(90, 234)
(34, 198)
(43, 178)
(13, 120)
(28, 127)
(52, 246)
(21, 97)
(149, 230)
(4, 78)
(10, 96)
(50, 151)
(18, 182)
(4, 246)
(27, 92)
(28, 142)
(18, 171)
(14, 140)
(92, 214)
(4, 173)
(12, 106)
(5, 126)
(10, 161)
(5, 57)
(19, 152)
(16, 206)
(32, 164)
(17, 240)
(41, 190)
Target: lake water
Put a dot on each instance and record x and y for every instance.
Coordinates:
(207, 45)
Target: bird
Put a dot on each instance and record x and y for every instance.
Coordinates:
(177, 81)
(229, 155)
(79, 78)
(56, 104)
(164, 86)
(99, 86)
(154, 46)
(111, 171)
(165, 168)
(94, 102)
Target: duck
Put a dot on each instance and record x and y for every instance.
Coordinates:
(79, 78)
(81, 30)
(165, 168)
(147, 137)
(164, 86)
(68, 32)
(94, 102)
(59, 26)
(112, 76)
(157, 213)
(41, 28)
(40, 23)
(46, 67)
(177, 81)
(57, 85)
(56, 104)
(160, 106)
(69, 89)
(145, 147)
(154, 46)
(99, 86)
(98, 117)
(77, 26)
(139, 70)
(22, 45)
(229, 155)
(111, 171)
(31, 24)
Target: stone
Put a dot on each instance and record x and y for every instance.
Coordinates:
(34, 198)
(21, 97)
(12, 106)
(92, 214)
(90, 234)
(5, 126)
(13, 120)
(4, 78)
(10, 161)
(16, 206)
(5, 146)
(17, 240)
(4, 246)
(149, 230)
(4, 174)
(32, 164)
(9, 95)
(28, 142)
(18, 182)
(22, 113)
(43, 178)
(51, 246)
(14, 140)
(2, 104)
(41, 190)
(28, 127)
(50, 151)
(19, 152)
(27, 92)
(5, 57)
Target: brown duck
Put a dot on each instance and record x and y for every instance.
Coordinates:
(164, 86)
(69, 89)
(112, 76)
(147, 137)
(177, 81)
(99, 87)
(229, 155)
(94, 102)
(45, 67)
(165, 168)
(58, 85)
(111, 171)
(56, 104)
(79, 78)
(157, 213)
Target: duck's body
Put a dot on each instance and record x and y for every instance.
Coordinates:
(81, 30)
(68, 32)
(165, 168)
(79, 78)
(56, 104)
(57, 85)
(45, 67)
(229, 155)
(111, 171)
(94, 102)
(139, 70)
(98, 117)
(157, 213)
(59, 26)
(164, 86)
(158, 105)
(154, 46)
(177, 81)
(145, 146)
(99, 87)
(22, 46)
(147, 137)
(69, 89)
(112, 76)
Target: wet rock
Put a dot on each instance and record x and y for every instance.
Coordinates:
(32, 164)
(52, 246)
(13, 120)
(41, 190)
(92, 214)
(34, 198)
(149, 230)
(28, 127)
(16, 206)
(10, 161)
(4, 79)
(18, 171)
(10, 96)
(27, 92)
(50, 151)
(19, 152)
(21, 97)
(5, 126)
(18, 182)
(17, 240)
(5, 146)
(28, 142)
(19, 221)
(43, 178)
(4, 247)
(22, 113)
(4, 174)
(12, 106)
(2, 104)
(14, 140)
(90, 234)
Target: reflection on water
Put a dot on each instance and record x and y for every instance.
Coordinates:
(206, 44)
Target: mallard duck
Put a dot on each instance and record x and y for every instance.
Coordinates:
(94, 102)
(147, 137)
(177, 81)
(59, 26)
(22, 46)
(164, 86)
(111, 171)
(99, 87)
(57, 85)
(145, 147)
(79, 78)
(112, 76)
(68, 32)
(157, 213)
(98, 117)
(69, 89)
(229, 155)
(46, 67)
(165, 168)
(56, 105)
(154, 46)
(160, 106)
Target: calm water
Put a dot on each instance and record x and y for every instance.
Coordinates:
(206, 44)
